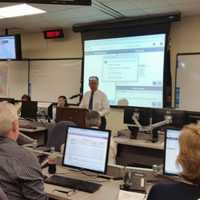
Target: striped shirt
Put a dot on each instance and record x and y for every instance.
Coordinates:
(20, 173)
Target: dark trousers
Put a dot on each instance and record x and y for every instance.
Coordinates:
(103, 123)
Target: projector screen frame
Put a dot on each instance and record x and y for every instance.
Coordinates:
(130, 31)
(53, 2)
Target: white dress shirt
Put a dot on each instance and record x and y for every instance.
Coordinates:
(100, 102)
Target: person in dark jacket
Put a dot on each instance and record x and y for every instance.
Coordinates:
(188, 188)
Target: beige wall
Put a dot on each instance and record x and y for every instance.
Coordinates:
(185, 37)
(35, 46)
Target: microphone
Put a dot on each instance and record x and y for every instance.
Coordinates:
(76, 95)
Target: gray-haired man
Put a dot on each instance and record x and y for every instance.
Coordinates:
(20, 173)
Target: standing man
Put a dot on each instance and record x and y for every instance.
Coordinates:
(96, 100)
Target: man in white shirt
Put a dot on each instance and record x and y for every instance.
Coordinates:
(96, 100)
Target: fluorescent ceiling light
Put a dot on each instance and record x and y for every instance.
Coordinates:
(19, 10)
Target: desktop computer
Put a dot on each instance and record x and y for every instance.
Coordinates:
(136, 118)
(192, 117)
(143, 115)
(29, 110)
(85, 149)
(176, 118)
(44, 109)
(171, 152)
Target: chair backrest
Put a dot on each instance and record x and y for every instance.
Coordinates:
(3, 196)
(57, 134)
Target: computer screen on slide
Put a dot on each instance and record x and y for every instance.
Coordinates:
(171, 152)
(87, 149)
(130, 69)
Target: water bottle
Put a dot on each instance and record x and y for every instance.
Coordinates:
(52, 161)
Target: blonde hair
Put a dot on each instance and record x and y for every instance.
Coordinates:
(189, 155)
(8, 114)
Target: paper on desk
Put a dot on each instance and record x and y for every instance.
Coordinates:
(124, 195)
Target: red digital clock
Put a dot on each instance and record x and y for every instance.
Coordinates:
(54, 34)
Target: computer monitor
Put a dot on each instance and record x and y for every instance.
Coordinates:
(178, 117)
(87, 149)
(192, 117)
(143, 117)
(29, 110)
(171, 152)
(43, 108)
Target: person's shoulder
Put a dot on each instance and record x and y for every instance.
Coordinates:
(101, 93)
(26, 155)
(165, 185)
(160, 191)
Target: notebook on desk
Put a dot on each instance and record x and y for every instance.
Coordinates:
(125, 195)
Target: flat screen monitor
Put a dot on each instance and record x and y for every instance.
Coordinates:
(144, 115)
(10, 47)
(29, 110)
(192, 117)
(171, 151)
(87, 149)
(178, 116)
(130, 69)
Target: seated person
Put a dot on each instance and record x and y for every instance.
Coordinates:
(93, 120)
(26, 98)
(20, 173)
(62, 101)
(189, 160)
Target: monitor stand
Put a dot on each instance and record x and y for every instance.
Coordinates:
(134, 132)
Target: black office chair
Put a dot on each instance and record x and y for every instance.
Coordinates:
(3, 196)
(57, 134)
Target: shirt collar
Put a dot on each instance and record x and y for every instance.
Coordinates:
(6, 139)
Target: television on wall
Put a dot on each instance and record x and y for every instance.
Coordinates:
(10, 47)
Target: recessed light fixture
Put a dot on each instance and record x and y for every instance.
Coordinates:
(19, 10)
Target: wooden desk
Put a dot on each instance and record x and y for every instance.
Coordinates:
(108, 191)
(140, 153)
(40, 134)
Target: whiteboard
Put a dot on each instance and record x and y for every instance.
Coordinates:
(188, 82)
(52, 78)
(16, 78)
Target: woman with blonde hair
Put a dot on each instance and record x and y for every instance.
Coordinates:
(188, 188)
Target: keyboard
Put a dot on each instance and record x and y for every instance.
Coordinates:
(76, 184)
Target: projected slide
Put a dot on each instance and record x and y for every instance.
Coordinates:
(130, 69)
(7, 47)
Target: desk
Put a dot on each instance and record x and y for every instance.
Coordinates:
(108, 191)
(140, 153)
(40, 134)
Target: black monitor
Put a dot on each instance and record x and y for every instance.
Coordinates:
(9, 100)
(51, 110)
(171, 151)
(192, 117)
(87, 149)
(29, 110)
(144, 115)
(178, 116)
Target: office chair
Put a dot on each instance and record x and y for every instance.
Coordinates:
(3, 196)
(57, 134)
